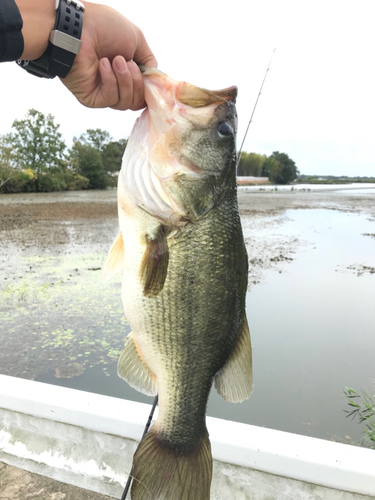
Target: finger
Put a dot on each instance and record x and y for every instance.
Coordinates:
(138, 87)
(124, 84)
(108, 93)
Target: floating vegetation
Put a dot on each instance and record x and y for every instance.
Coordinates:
(361, 269)
(60, 315)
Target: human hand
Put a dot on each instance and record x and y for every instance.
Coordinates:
(105, 73)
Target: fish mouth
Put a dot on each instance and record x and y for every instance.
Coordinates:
(159, 87)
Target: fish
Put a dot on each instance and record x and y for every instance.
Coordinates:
(182, 255)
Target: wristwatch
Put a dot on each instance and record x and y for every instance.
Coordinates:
(64, 42)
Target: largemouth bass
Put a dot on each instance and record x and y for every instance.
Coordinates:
(184, 265)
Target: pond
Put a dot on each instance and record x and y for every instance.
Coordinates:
(309, 305)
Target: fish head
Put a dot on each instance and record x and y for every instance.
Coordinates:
(181, 155)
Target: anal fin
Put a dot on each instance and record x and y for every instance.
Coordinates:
(234, 382)
(132, 368)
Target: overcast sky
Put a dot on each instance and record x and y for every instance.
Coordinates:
(317, 105)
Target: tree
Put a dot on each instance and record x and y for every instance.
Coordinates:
(7, 160)
(251, 164)
(269, 165)
(280, 168)
(38, 146)
(86, 161)
(112, 154)
(97, 138)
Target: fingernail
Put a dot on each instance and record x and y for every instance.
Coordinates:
(120, 65)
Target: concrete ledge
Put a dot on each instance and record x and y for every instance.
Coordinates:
(88, 440)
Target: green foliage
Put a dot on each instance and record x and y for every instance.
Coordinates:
(270, 165)
(112, 155)
(7, 156)
(281, 169)
(88, 163)
(97, 138)
(19, 181)
(52, 181)
(32, 157)
(333, 179)
(96, 157)
(7, 163)
(363, 408)
(251, 164)
(37, 145)
(75, 181)
(111, 151)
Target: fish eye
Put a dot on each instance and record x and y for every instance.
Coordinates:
(224, 130)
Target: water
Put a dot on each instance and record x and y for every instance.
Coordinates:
(313, 327)
(312, 323)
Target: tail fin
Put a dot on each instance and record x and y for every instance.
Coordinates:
(160, 473)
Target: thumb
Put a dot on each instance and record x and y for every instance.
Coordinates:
(143, 54)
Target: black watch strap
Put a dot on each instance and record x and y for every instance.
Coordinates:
(64, 42)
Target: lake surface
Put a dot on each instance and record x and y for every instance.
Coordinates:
(310, 308)
(313, 332)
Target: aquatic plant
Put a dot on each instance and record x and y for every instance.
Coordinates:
(362, 407)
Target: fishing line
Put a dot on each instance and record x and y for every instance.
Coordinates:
(252, 114)
(147, 427)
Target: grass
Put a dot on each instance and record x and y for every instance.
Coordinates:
(362, 407)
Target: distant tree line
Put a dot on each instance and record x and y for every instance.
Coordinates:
(334, 179)
(278, 167)
(35, 158)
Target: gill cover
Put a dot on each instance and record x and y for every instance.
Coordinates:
(173, 167)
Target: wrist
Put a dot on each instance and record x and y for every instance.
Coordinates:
(53, 55)
(38, 21)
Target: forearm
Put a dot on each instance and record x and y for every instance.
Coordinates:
(38, 22)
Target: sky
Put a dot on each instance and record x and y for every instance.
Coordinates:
(317, 104)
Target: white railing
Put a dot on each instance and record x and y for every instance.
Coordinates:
(88, 440)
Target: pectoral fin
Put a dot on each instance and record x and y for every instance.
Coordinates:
(154, 265)
(234, 382)
(115, 259)
(132, 368)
